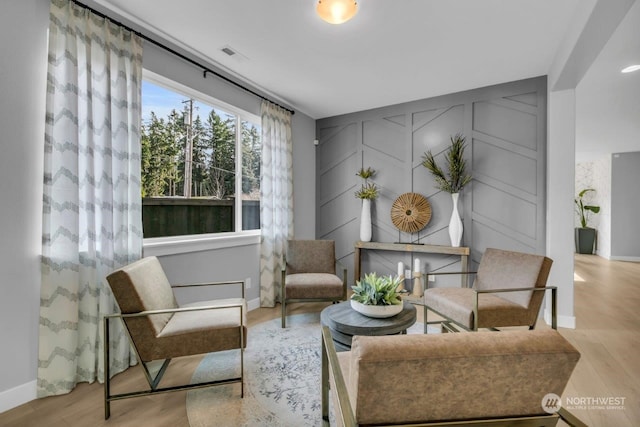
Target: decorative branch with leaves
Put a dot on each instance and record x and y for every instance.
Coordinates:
(456, 163)
(368, 190)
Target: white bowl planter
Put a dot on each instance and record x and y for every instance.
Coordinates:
(379, 311)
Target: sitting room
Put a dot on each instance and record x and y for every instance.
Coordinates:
(231, 213)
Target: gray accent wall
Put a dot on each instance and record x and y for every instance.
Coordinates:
(625, 205)
(503, 207)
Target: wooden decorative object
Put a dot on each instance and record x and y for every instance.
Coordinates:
(410, 212)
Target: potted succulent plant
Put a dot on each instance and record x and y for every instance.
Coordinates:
(377, 296)
(368, 192)
(454, 183)
(585, 236)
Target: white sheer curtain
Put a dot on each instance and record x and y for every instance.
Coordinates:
(276, 198)
(92, 221)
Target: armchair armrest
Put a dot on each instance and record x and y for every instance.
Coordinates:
(447, 273)
(173, 310)
(330, 365)
(232, 282)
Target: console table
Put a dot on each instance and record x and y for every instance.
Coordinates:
(463, 252)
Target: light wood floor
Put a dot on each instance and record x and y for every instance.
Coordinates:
(607, 335)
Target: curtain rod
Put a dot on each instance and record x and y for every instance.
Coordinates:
(205, 69)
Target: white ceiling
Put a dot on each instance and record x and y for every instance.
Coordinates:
(607, 101)
(396, 51)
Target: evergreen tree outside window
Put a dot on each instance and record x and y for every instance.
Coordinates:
(200, 165)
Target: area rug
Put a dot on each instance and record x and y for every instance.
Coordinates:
(282, 378)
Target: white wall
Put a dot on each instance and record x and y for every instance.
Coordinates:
(597, 175)
(23, 31)
(560, 189)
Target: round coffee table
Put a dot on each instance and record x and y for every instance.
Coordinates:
(344, 322)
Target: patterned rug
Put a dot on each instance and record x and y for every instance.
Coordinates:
(282, 378)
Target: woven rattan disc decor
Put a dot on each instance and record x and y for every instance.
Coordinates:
(410, 212)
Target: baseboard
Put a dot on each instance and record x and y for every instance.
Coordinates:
(17, 396)
(568, 322)
(253, 304)
(625, 258)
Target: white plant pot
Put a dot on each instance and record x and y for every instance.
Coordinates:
(455, 224)
(365, 221)
(378, 311)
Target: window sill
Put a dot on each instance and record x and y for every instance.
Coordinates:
(161, 246)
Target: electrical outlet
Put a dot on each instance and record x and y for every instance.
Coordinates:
(247, 283)
(432, 278)
(408, 274)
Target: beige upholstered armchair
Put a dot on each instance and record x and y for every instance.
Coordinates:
(309, 274)
(508, 291)
(160, 330)
(449, 380)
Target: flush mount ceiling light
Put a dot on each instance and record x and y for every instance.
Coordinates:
(337, 11)
(631, 68)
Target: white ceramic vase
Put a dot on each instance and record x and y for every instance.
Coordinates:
(377, 311)
(455, 224)
(365, 221)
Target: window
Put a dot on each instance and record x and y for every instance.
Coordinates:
(200, 163)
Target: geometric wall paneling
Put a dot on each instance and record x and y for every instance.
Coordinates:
(399, 120)
(338, 211)
(344, 247)
(338, 180)
(503, 206)
(385, 136)
(337, 143)
(500, 207)
(383, 228)
(506, 120)
(486, 237)
(391, 174)
(432, 129)
(530, 98)
(510, 168)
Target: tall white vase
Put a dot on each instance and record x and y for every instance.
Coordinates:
(365, 221)
(455, 224)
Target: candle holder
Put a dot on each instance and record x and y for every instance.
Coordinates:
(418, 290)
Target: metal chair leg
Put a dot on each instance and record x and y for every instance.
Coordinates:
(107, 375)
(284, 313)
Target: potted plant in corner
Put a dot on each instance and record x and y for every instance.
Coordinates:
(377, 296)
(453, 184)
(368, 192)
(585, 235)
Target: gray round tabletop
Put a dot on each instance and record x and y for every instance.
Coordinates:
(344, 322)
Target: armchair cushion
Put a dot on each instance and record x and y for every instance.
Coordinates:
(311, 256)
(202, 331)
(313, 285)
(500, 269)
(457, 303)
(143, 286)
